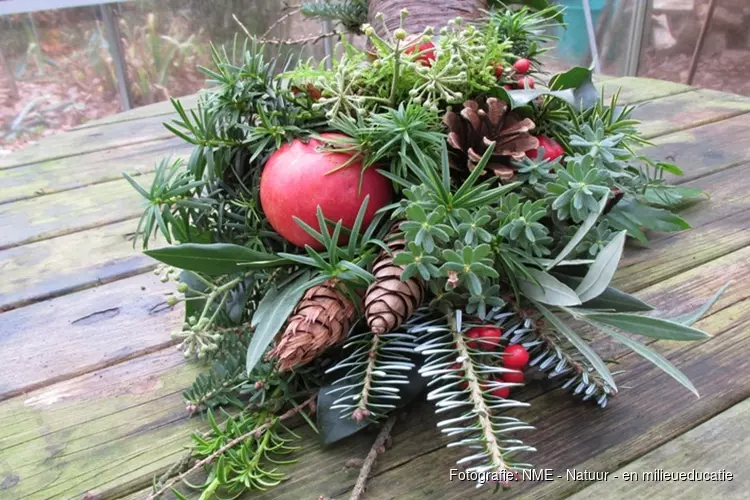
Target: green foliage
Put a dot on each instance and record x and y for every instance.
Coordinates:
(352, 14)
(527, 29)
(577, 191)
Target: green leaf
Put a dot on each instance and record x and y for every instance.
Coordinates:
(272, 313)
(610, 299)
(548, 290)
(571, 79)
(580, 344)
(580, 234)
(630, 214)
(215, 259)
(334, 428)
(690, 318)
(600, 273)
(662, 329)
(657, 359)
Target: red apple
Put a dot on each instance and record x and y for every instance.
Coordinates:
(299, 177)
(552, 149)
(426, 53)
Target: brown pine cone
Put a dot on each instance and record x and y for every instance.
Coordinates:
(481, 122)
(388, 300)
(322, 318)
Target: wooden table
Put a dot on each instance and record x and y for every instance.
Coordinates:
(91, 383)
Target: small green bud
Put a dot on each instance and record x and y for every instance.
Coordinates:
(183, 287)
(400, 34)
(426, 38)
(368, 30)
(379, 16)
(172, 301)
(377, 63)
(443, 31)
(429, 31)
(404, 13)
(157, 271)
(192, 320)
(164, 278)
(459, 20)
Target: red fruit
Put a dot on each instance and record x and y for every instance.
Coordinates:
(508, 87)
(522, 66)
(501, 392)
(299, 177)
(552, 148)
(485, 338)
(526, 82)
(499, 71)
(515, 357)
(426, 53)
(513, 377)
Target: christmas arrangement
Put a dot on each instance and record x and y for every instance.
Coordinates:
(429, 216)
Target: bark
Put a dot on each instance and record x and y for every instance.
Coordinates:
(423, 13)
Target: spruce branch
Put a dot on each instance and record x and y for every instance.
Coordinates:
(378, 447)
(256, 432)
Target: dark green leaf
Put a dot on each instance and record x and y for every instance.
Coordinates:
(548, 290)
(215, 259)
(334, 428)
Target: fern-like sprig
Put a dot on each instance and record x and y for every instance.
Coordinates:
(464, 379)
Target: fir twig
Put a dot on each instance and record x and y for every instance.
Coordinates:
(280, 20)
(377, 448)
(258, 431)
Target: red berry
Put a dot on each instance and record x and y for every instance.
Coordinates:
(299, 177)
(485, 338)
(522, 66)
(526, 82)
(426, 53)
(513, 377)
(499, 71)
(501, 392)
(515, 357)
(508, 87)
(552, 148)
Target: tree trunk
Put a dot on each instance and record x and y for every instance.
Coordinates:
(423, 13)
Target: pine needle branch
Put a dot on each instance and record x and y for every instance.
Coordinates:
(257, 432)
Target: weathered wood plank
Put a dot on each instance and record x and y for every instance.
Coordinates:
(635, 90)
(50, 268)
(571, 434)
(64, 213)
(687, 110)
(76, 142)
(704, 149)
(74, 172)
(720, 443)
(78, 333)
(157, 109)
(107, 430)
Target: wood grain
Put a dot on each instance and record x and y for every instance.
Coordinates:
(720, 443)
(54, 267)
(157, 109)
(36, 219)
(108, 430)
(88, 140)
(73, 172)
(78, 333)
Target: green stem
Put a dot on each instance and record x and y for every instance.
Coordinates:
(396, 71)
(212, 487)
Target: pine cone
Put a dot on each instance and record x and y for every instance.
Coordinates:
(321, 319)
(478, 124)
(388, 300)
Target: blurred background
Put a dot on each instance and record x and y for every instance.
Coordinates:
(64, 62)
